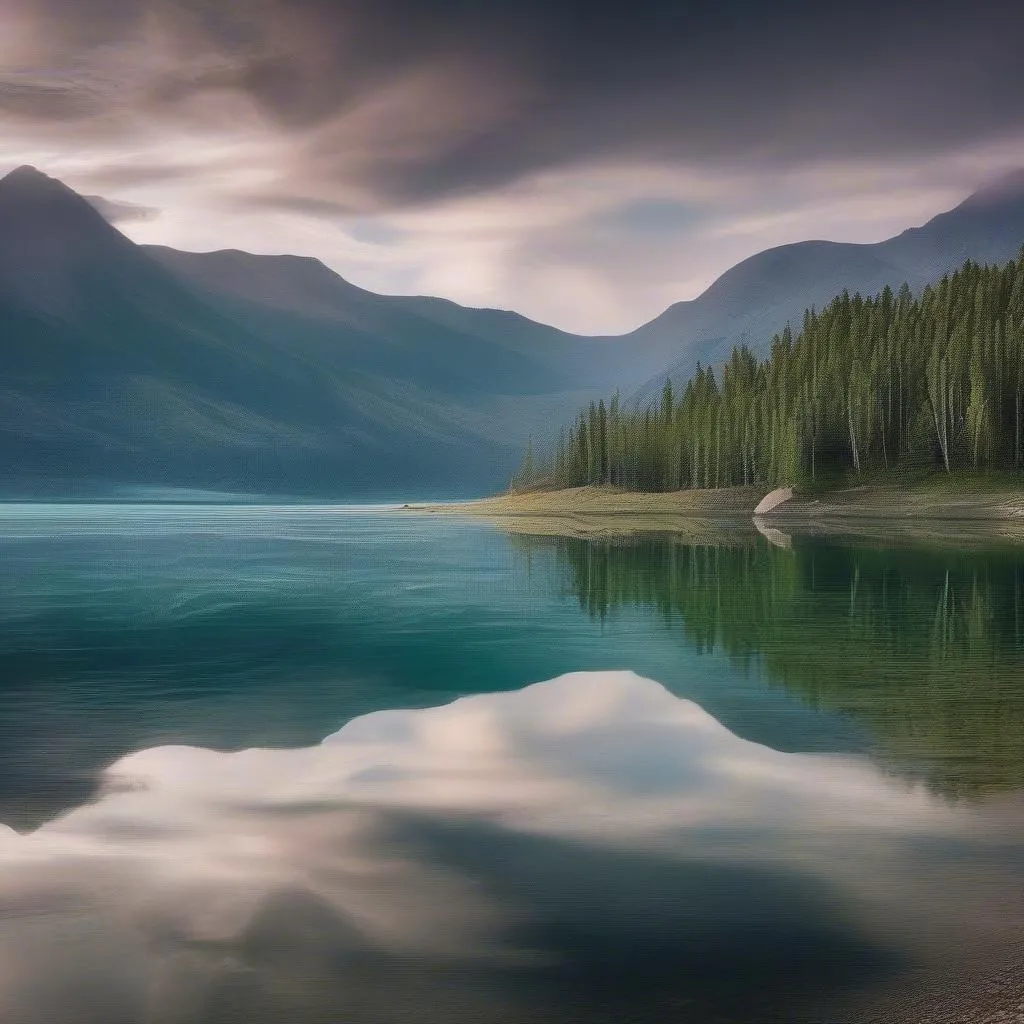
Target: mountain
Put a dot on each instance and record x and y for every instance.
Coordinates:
(987, 227)
(748, 304)
(304, 287)
(127, 366)
(757, 298)
(230, 372)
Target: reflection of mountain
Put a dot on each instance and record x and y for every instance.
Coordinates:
(924, 644)
(588, 849)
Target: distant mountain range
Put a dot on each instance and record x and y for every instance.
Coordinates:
(757, 298)
(126, 366)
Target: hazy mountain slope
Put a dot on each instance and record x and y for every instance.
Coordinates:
(591, 362)
(987, 227)
(429, 326)
(114, 370)
(759, 296)
(756, 298)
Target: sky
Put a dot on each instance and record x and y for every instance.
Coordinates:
(582, 162)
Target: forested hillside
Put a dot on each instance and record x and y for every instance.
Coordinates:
(877, 382)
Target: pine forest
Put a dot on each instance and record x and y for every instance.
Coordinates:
(887, 382)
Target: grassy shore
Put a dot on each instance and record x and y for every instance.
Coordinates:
(978, 498)
(609, 501)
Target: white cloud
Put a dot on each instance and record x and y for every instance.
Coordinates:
(543, 246)
(483, 160)
(557, 246)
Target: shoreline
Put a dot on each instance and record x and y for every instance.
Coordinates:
(606, 501)
(933, 500)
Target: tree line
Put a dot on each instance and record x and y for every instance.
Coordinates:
(882, 382)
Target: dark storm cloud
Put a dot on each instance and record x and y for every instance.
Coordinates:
(133, 174)
(325, 208)
(534, 85)
(34, 101)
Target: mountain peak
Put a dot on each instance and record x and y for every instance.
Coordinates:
(26, 172)
(27, 187)
(48, 234)
(29, 177)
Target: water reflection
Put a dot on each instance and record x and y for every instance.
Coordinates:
(923, 641)
(587, 849)
(123, 628)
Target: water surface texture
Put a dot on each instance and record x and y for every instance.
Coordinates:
(321, 764)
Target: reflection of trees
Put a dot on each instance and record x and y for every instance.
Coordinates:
(925, 644)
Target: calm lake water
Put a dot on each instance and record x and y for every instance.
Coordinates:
(718, 777)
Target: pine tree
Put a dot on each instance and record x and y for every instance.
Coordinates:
(867, 383)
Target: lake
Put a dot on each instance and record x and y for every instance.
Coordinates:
(362, 765)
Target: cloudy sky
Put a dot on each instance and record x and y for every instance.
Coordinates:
(584, 162)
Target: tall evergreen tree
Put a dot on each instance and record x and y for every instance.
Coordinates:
(868, 383)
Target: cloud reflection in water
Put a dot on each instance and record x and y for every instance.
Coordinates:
(590, 843)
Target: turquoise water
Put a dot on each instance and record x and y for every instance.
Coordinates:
(126, 627)
(601, 849)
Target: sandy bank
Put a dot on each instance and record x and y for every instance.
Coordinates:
(933, 499)
(928, 502)
(724, 502)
